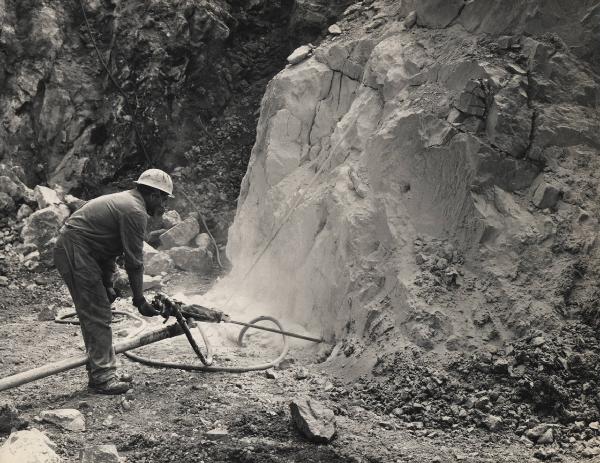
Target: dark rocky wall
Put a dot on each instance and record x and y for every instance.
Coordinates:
(186, 79)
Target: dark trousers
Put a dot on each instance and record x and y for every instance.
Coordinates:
(83, 276)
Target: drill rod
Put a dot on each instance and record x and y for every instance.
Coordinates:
(273, 330)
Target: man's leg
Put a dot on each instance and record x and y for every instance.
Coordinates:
(84, 280)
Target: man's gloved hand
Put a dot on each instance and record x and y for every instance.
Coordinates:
(111, 293)
(144, 307)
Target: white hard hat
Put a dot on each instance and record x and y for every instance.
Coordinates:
(158, 179)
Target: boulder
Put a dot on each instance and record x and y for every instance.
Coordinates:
(191, 259)
(42, 226)
(546, 196)
(471, 100)
(100, 454)
(537, 432)
(7, 205)
(45, 196)
(9, 187)
(437, 14)
(9, 417)
(216, 434)
(151, 282)
(121, 281)
(203, 241)
(24, 212)
(157, 264)
(334, 29)
(299, 54)
(66, 418)
(154, 237)
(410, 20)
(492, 422)
(73, 203)
(14, 187)
(547, 437)
(31, 446)
(181, 234)
(170, 219)
(48, 313)
(149, 251)
(313, 420)
(509, 121)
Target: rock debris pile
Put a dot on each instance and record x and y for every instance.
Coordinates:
(33, 217)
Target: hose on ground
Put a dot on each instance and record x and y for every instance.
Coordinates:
(195, 367)
(66, 319)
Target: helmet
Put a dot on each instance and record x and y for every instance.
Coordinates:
(158, 179)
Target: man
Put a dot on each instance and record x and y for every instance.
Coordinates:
(85, 253)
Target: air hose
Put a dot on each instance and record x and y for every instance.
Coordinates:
(66, 318)
(212, 368)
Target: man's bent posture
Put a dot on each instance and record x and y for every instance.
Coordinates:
(88, 244)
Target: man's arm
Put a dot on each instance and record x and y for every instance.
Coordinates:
(108, 267)
(133, 231)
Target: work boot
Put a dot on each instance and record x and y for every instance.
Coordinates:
(112, 386)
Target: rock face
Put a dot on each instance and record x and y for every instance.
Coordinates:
(313, 420)
(30, 446)
(64, 125)
(390, 142)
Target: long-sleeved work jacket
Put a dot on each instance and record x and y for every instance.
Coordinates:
(85, 254)
(112, 225)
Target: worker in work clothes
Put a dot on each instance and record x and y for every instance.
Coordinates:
(85, 252)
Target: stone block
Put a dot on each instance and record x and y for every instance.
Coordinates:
(151, 282)
(43, 225)
(313, 420)
(66, 418)
(31, 446)
(100, 454)
(437, 14)
(170, 219)
(9, 417)
(45, 196)
(299, 54)
(181, 234)
(203, 241)
(73, 203)
(7, 205)
(157, 264)
(191, 259)
(24, 212)
(546, 196)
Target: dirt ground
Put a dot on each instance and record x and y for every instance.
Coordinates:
(168, 413)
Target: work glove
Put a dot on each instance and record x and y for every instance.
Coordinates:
(111, 293)
(144, 307)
